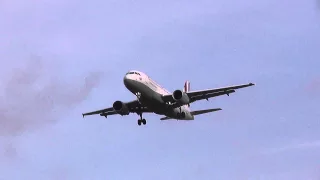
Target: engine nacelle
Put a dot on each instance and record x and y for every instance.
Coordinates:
(181, 97)
(120, 108)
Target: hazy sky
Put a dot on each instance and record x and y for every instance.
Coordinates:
(62, 58)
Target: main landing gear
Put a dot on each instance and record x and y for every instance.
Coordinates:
(180, 114)
(141, 120)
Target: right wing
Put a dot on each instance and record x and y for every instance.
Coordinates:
(208, 93)
(132, 106)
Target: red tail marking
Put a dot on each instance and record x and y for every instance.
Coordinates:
(187, 88)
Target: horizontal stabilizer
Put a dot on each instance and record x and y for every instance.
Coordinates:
(194, 113)
(165, 118)
(204, 111)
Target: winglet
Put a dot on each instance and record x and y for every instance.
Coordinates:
(82, 115)
(251, 84)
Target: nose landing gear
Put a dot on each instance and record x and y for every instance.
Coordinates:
(141, 120)
(139, 111)
(138, 94)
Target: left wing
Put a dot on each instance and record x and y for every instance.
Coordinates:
(132, 106)
(208, 93)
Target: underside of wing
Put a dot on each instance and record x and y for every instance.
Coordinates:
(124, 108)
(108, 113)
(98, 111)
(208, 93)
(165, 118)
(218, 90)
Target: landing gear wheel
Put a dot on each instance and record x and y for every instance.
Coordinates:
(144, 121)
(181, 115)
(141, 120)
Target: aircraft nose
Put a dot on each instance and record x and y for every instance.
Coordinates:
(127, 81)
(125, 78)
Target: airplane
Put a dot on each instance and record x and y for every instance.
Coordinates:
(153, 98)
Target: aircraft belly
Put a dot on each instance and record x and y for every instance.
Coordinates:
(153, 104)
(152, 100)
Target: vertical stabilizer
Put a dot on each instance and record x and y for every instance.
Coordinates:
(186, 88)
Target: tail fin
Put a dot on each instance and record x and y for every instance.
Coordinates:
(186, 88)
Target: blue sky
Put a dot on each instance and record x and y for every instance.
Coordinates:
(63, 58)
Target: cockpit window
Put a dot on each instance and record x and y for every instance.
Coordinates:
(133, 73)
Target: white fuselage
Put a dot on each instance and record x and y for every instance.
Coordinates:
(151, 95)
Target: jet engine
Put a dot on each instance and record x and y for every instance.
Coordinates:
(120, 108)
(181, 97)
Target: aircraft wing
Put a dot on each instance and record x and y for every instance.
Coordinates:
(132, 106)
(208, 93)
